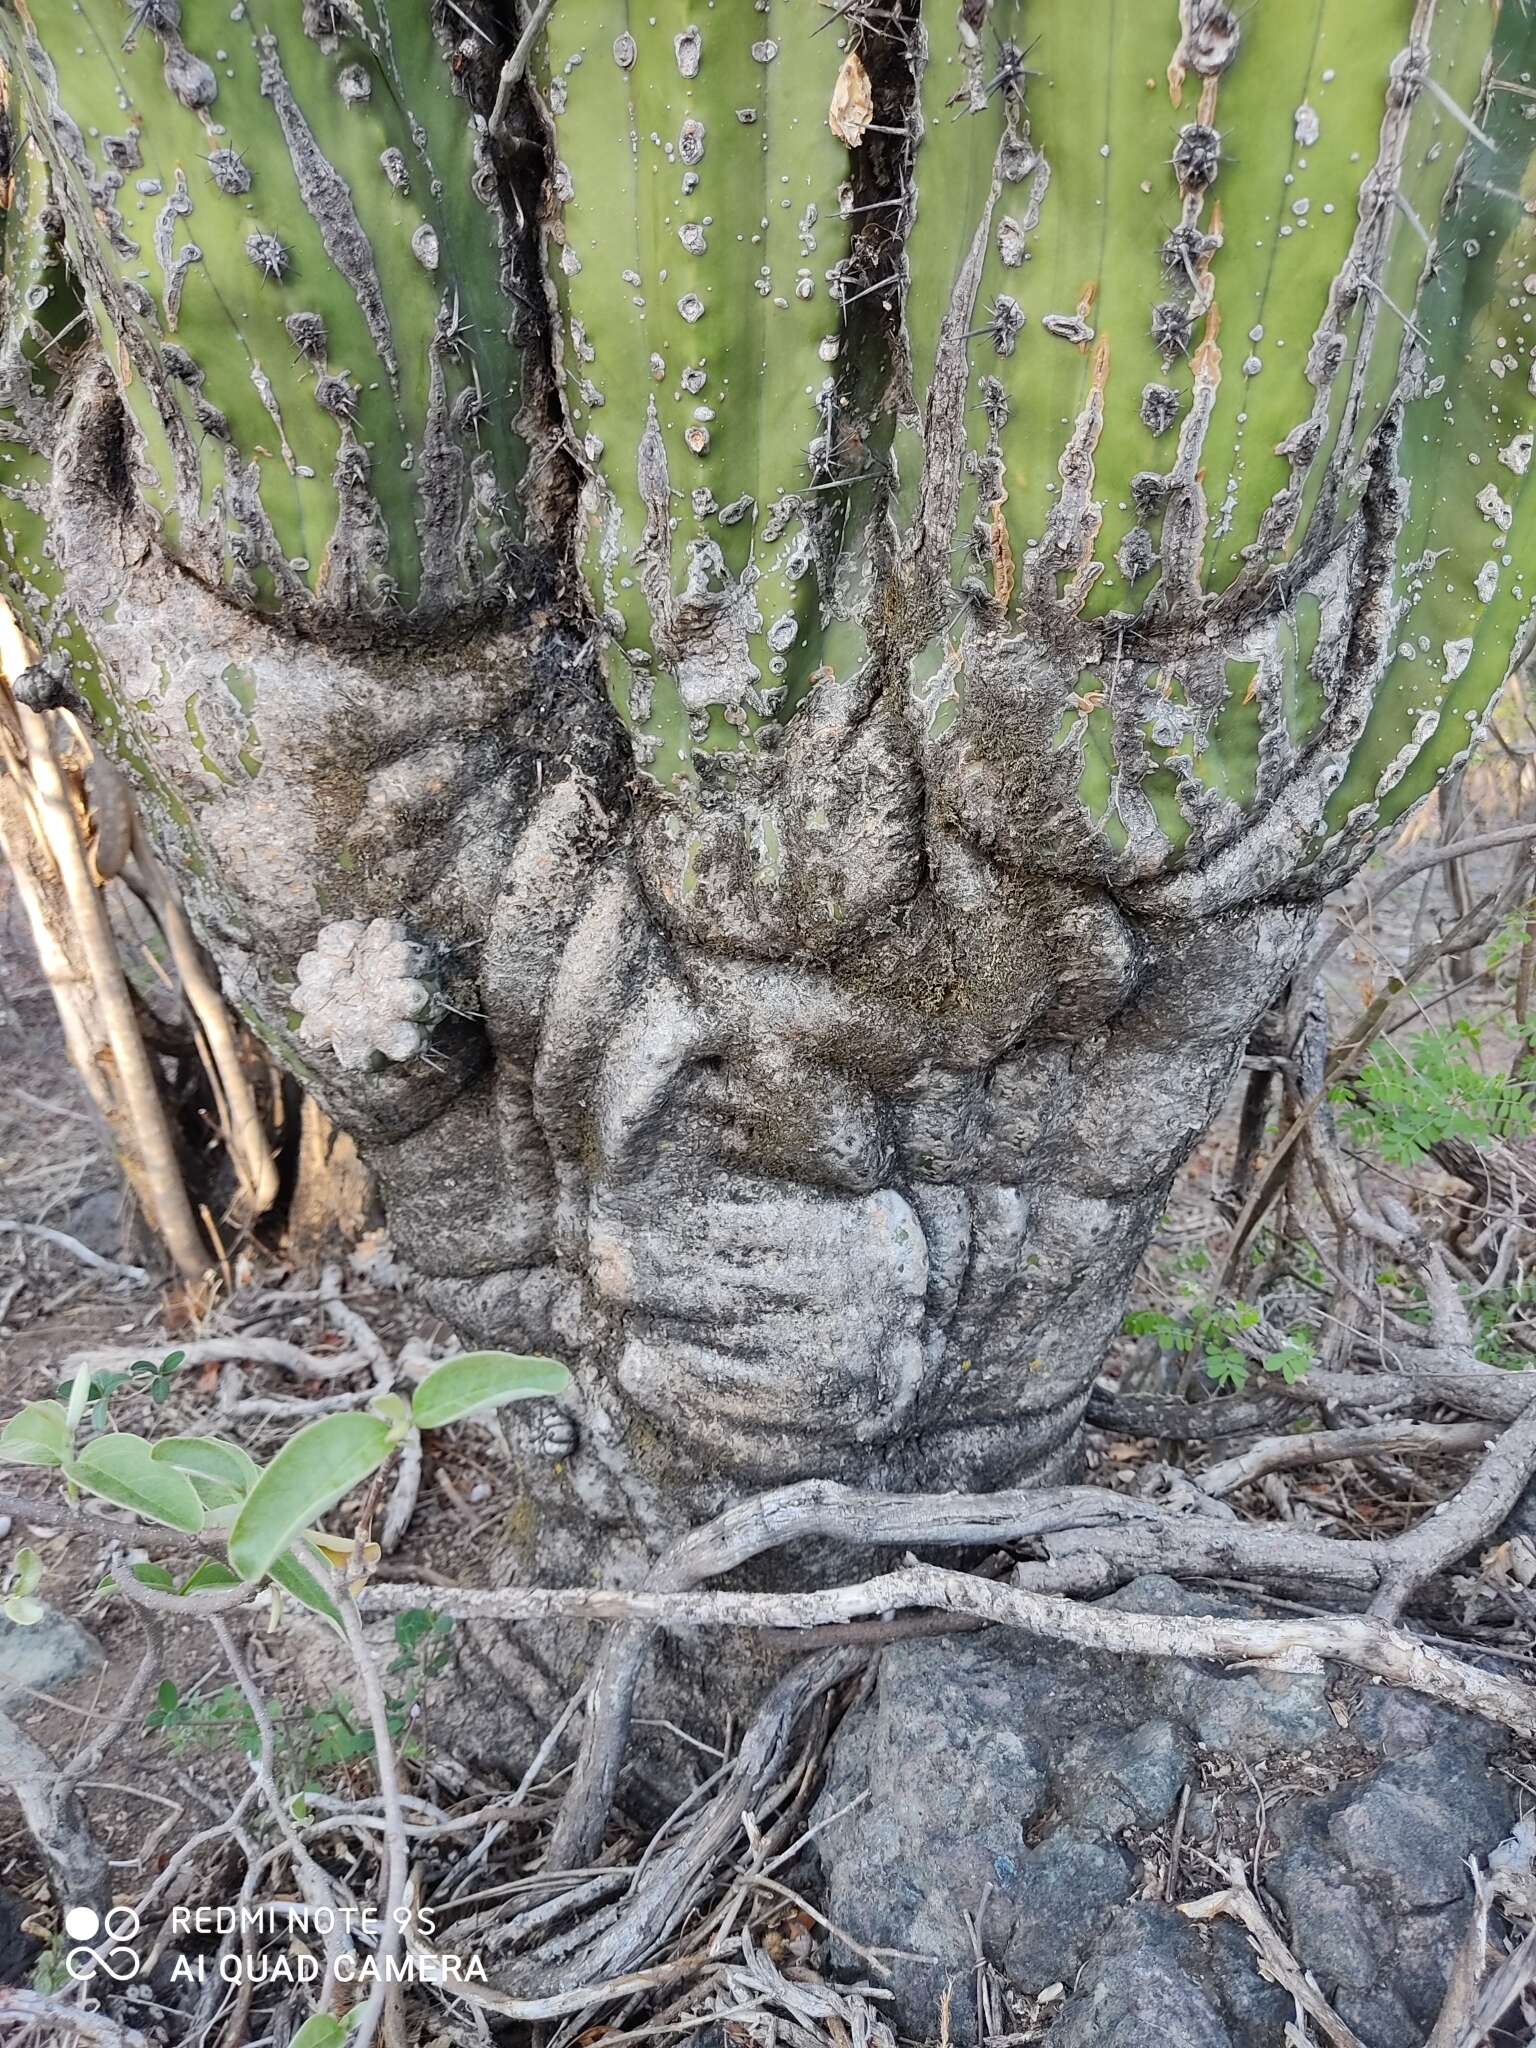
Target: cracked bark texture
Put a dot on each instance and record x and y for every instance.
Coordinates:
(803, 1052)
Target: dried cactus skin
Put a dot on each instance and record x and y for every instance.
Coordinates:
(700, 251)
(219, 176)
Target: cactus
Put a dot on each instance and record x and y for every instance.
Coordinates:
(1161, 295)
(285, 235)
(760, 621)
(709, 263)
(366, 991)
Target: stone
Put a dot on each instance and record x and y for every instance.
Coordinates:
(1063, 1893)
(45, 1655)
(18, 1949)
(1155, 1977)
(1131, 1780)
(1373, 1877)
(1008, 1786)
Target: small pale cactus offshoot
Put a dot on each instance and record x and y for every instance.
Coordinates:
(366, 991)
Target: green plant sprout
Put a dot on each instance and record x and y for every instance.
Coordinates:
(267, 1514)
(1210, 1336)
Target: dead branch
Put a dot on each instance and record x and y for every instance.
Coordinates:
(312, 1880)
(1238, 1903)
(229, 1351)
(50, 1806)
(1470, 1515)
(61, 1241)
(249, 1152)
(1366, 1644)
(146, 1112)
(657, 1901)
(58, 1513)
(1326, 1446)
(1467, 1967)
(20, 2008)
(397, 1856)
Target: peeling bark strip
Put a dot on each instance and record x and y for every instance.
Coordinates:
(329, 200)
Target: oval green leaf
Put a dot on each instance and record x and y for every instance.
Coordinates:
(483, 1379)
(309, 1474)
(294, 1578)
(36, 1435)
(121, 1468)
(212, 1458)
(155, 1576)
(320, 2031)
(211, 1576)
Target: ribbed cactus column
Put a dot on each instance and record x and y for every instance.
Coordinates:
(708, 256)
(1215, 316)
(285, 225)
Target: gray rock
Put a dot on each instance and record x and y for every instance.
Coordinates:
(1154, 1978)
(1239, 1713)
(1373, 1877)
(18, 1949)
(1063, 1893)
(45, 1655)
(1008, 1785)
(1112, 1782)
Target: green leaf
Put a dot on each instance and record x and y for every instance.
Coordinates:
(483, 1379)
(153, 1575)
(1292, 1361)
(210, 1576)
(310, 1473)
(212, 1458)
(24, 1611)
(296, 1579)
(320, 2031)
(166, 1696)
(122, 1469)
(36, 1435)
(29, 1572)
(1228, 1368)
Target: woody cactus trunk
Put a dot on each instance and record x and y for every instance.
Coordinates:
(754, 627)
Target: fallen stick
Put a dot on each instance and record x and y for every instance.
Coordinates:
(20, 2008)
(1327, 1446)
(1238, 1903)
(225, 1351)
(1301, 1645)
(61, 1241)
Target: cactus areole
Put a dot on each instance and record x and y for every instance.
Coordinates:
(755, 640)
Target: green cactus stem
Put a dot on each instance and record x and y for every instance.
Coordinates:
(707, 258)
(284, 226)
(1194, 331)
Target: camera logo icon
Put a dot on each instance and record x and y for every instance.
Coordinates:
(101, 1944)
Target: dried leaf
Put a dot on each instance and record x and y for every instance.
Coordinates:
(853, 103)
